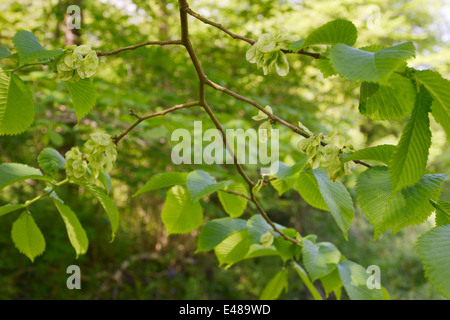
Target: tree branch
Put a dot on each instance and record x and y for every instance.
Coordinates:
(116, 139)
(270, 115)
(219, 26)
(249, 41)
(133, 47)
(184, 7)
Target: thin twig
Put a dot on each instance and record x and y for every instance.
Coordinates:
(237, 194)
(250, 41)
(116, 139)
(270, 115)
(133, 47)
(218, 26)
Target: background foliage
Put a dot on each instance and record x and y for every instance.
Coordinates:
(143, 262)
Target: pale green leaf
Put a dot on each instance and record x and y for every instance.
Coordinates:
(232, 204)
(257, 226)
(285, 171)
(105, 179)
(409, 160)
(387, 209)
(266, 239)
(16, 105)
(286, 249)
(83, 96)
(264, 131)
(381, 153)
(27, 236)
(360, 65)
(304, 277)
(29, 48)
(15, 172)
(275, 286)
(337, 198)
(180, 214)
(283, 185)
(108, 205)
(296, 45)
(337, 31)
(4, 52)
(287, 175)
(77, 235)
(10, 208)
(439, 88)
(163, 180)
(387, 102)
(200, 184)
(234, 248)
(308, 188)
(320, 259)
(325, 67)
(215, 231)
(434, 251)
(50, 159)
(354, 278)
(442, 212)
(332, 283)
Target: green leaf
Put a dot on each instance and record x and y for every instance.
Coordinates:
(215, 231)
(337, 198)
(354, 278)
(304, 277)
(287, 175)
(275, 286)
(261, 115)
(308, 188)
(325, 67)
(180, 214)
(387, 209)
(439, 88)
(232, 204)
(296, 45)
(285, 171)
(257, 226)
(163, 180)
(332, 283)
(266, 239)
(320, 259)
(83, 96)
(234, 248)
(200, 184)
(442, 212)
(105, 179)
(409, 161)
(434, 251)
(360, 65)
(337, 31)
(381, 153)
(257, 250)
(50, 159)
(29, 48)
(286, 249)
(15, 172)
(10, 208)
(107, 204)
(283, 185)
(16, 105)
(393, 101)
(4, 52)
(75, 231)
(27, 236)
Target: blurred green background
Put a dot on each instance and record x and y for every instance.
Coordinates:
(143, 263)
